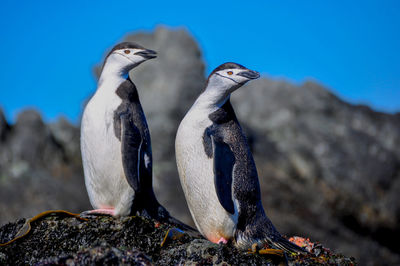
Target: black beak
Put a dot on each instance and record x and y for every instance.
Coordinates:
(148, 54)
(250, 74)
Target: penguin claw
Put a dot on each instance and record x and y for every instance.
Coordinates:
(253, 249)
(172, 234)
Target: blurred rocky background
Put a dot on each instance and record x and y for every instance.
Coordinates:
(329, 170)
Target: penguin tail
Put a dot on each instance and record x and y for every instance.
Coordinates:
(284, 244)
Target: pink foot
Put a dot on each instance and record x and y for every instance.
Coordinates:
(110, 211)
(222, 240)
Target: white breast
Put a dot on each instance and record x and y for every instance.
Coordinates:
(197, 177)
(101, 154)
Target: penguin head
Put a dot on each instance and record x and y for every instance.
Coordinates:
(228, 77)
(128, 55)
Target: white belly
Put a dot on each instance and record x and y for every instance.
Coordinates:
(101, 155)
(197, 179)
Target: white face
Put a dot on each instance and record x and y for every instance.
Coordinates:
(223, 82)
(236, 76)
(228, 80)
(120, 61)
(133, 56)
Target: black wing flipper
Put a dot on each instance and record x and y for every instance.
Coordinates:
(224, 161)
(131, 144)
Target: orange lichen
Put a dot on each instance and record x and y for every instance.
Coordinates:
(302, 242)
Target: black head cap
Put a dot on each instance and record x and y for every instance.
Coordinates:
(228, 65)
(125, 45)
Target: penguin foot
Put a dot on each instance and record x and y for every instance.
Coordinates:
(284, 244)
(222, 240)
(26, 228)
(265, 251)
(172, 234)
(162, 215)
(97, 212)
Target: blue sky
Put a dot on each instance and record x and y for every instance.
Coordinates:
(49, 47)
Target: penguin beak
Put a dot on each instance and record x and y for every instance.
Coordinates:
(250, 74)
(147, 54)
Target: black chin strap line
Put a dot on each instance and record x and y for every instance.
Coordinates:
(228, 78)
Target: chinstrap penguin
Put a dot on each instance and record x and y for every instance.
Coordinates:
(115, 141)
(217, 170)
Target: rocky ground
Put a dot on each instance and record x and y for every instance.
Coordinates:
(329, 170)
(132, 241)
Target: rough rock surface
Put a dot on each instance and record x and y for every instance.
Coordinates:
(127, 241)
(40, 167)
(328, 170)
(336, 166)
(3, 125)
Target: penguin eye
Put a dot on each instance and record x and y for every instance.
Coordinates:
(127, 51)
(229, 72)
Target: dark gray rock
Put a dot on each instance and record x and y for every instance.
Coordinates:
(30, 138)
(40, 168)
(326, 164)
(68, 137)
(131, 241)
(351, 149)
(26, 196)
(4, 127)
(100, 255)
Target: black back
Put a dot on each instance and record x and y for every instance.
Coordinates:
(226, 132)
(130, 127)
